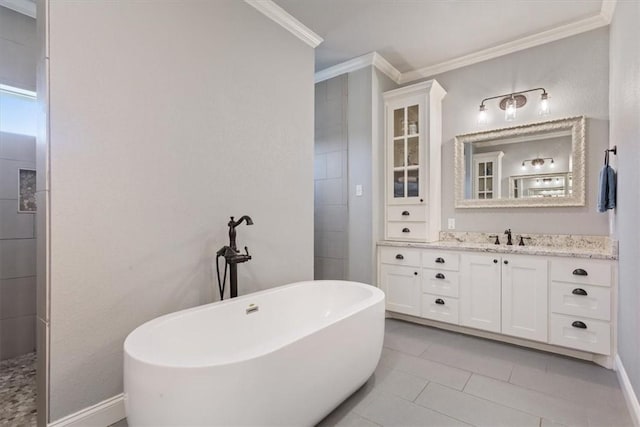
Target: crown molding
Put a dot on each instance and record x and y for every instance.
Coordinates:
(507, 48)
(567, 30)
(370, 59)
(607, 10)
(24, 7)
(281, 17)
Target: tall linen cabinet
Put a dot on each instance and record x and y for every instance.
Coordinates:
(413, 141)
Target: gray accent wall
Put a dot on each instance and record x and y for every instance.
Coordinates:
(331, 212)
(349, 129)
(625, 133)
(18, 49)
(17, 250)
(575, 71)
(165, 119)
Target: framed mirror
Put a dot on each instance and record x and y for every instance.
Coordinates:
(535, 165)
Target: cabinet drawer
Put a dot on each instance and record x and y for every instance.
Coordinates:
(594, 337)
(400, 256)
(407, 230)
(583, 271)
(581, 300)
(407, 213)
(439, 307)
(441, 260)
(440, 282)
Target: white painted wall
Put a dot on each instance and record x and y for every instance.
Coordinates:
(575, 71)
(625, 133)
(166, 118)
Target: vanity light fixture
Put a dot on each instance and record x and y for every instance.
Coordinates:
(538, 162)
(511, 102)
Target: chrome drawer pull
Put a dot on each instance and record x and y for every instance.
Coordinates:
(578, 324)
(579, 291)
(439, 276)
(440, 260)
(405, 213)
(440, 301)
(579, 272)
(406, 230)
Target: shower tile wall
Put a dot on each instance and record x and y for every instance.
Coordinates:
(17, 251)
(330, 175)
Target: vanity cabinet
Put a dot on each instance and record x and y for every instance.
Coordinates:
(506, 294)
(400, 279)
(580, 309)
(525, 297)
(413, 139)
(480, 292)
(556, 301)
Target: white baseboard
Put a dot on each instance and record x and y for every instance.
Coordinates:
(103, 414)
(629, 394)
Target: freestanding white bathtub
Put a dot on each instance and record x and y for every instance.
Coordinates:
(284, 356)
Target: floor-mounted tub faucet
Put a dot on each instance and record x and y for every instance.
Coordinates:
(508, 233)
(232, 257)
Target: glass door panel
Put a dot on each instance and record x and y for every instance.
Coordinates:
(398, 153)
(413, 183)
(412, 120)
(398, 122)
(413, 155)
(398, 183)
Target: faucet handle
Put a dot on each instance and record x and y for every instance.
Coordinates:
(246, 251)
(522, 240)
(497, 242)
(507, 231)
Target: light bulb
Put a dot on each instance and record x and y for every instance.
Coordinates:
(510, 110)
(544, 104)
(482, 115)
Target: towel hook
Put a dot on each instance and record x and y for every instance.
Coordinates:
(613, 150)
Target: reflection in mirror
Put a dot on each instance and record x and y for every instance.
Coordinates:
(530, 165)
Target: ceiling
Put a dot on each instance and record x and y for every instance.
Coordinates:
(415, 34)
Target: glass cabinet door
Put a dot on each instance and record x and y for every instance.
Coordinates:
(406, 152)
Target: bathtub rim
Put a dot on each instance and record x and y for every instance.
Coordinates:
(377, 297)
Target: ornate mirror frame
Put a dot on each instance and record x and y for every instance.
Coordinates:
(577, 127)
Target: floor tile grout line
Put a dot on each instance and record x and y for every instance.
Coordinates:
(421, 391)
(516, 409)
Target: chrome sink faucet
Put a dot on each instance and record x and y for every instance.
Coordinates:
(508, 233)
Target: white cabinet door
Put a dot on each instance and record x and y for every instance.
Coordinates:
(480, 291)
(402, 288)
(524, 297)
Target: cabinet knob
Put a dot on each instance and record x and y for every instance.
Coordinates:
(578, 324)
(415, 273)
(440, 301)
(440, 260)
(439, 276)
(399, 256)
(506, 262)
(421, 200)
(495, 261)
(405, 213)
(405, 230)
(579, 291)
(579, 272)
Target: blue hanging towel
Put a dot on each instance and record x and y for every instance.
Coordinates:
(607, 189)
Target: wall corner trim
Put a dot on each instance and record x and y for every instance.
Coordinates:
(607, 10)
(24, 7)
(105, 413)
(627, 390)
(280, 16)
(367, 60)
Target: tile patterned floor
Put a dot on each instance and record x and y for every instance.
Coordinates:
(18, 391)
(430, 377)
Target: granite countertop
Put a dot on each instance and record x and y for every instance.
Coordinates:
(562, 251)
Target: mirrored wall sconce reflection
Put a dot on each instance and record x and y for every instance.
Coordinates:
(538, 162)
(510, 103)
